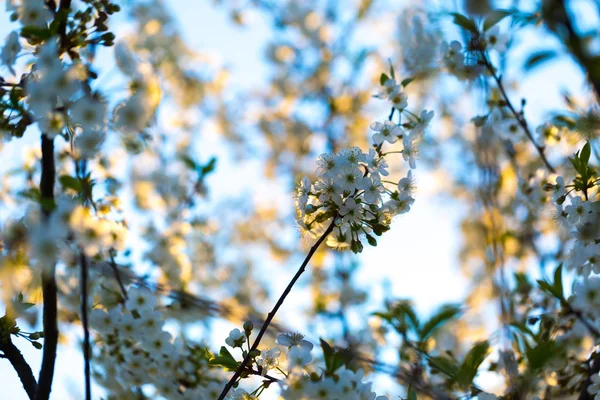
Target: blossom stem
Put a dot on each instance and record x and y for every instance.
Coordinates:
(518, 116)
(271, 315)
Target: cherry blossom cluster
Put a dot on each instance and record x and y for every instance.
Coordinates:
(136, 350)
(59, 90)
(351, 187)
(136, 112)
(463, 63)
(294, 372)
(350, 190)
(581, 217)
(73, 225)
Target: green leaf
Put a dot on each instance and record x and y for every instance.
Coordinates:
(18, 306)
(470, 366)
(557, 285)
(406, 81)
(392, 72)
(334, 359)
(548, 288)
(541, 354)
(538, 58)
(494, 17)
(189, 162)
(383, 315)
(444, 365)
(224, 359)
(383, 79)
(403, 310)
(585, 154)
(464, 22)
(209, 166)
(35, 33)
(31, 193)
(70, 182)
(443, 315)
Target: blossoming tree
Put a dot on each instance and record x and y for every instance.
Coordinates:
(107, 225)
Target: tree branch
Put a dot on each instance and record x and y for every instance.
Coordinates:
(49, 288)
(271, 315)
(12, 354)
(557, 17)
(86, 326)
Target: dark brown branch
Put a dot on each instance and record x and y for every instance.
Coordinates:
(271, 315)
(86, 326)
(557, 17)
(12, 354)
(594, 369)
(49, 288)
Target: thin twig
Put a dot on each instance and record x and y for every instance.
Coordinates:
(271, 315)
(518, 116)
(115, 269)
(86, 327)
(18, 362)
(593, 330)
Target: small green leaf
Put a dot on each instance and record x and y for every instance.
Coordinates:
(189, 162)
(494, 17)
(327, 353)
(383, 79)
(538, 58)
(444, 365)
(403, 311)
(446, 313)
(392, 72)
(224, 359)
(548, 288)
(406, 81)
(470, 366)
(558, 286)
(31, 193)
(585, 154)
(35, 33)
(70, 182)
(209, 166)
(334, 359)
(464, 22)
(541, 354)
